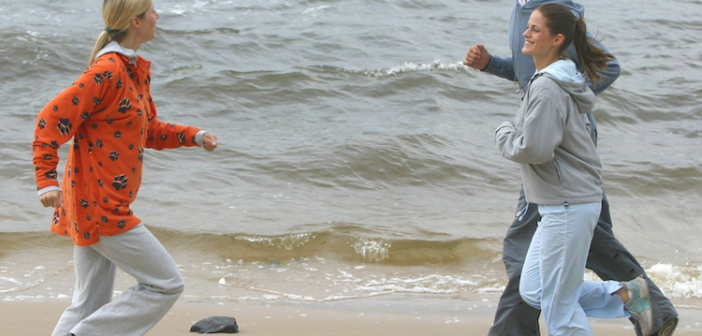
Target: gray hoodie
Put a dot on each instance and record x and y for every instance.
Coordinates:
(550, 139)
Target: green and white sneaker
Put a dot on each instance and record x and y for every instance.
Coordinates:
(639, 305)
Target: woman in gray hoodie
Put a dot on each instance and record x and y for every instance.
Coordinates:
(561, 172)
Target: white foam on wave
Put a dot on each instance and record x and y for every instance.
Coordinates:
(9, 285)
(406, 67)
(191, 7)
(271, 295)
(177, 11)
(287, 242)
(677, 281)
(674, 281)
(321, 283)
(372, 250)
(312, 10)
(324, 284)
(431, 284)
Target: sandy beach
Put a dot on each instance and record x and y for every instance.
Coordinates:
(357, 189)
(386, 316)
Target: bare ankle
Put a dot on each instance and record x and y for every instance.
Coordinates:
(624, 294)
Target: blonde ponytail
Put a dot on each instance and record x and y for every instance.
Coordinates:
(117, 16)
(101, 42)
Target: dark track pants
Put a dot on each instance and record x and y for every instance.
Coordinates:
(608, 259)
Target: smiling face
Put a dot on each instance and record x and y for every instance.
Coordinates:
(146, 30)
(538, 41)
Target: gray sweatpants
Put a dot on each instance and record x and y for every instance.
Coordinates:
(139, 308)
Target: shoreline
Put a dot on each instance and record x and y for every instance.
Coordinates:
(291, 297)
(389, 315)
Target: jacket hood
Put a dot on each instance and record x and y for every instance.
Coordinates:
(115, 47)
(567, 76)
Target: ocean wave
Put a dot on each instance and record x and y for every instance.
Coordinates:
(8, 285)
(326, 284)
(205, 31)
(312, 267)
(654, 179)
(414, 160)
(340, 243)
(409, 67)
(678, 281)
(396, 70)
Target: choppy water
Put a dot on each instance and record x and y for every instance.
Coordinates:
(356, 152)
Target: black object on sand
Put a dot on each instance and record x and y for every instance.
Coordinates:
(215, 324)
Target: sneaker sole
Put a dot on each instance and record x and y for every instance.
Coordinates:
(669, 327)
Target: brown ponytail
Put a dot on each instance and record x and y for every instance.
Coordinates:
(560, 20)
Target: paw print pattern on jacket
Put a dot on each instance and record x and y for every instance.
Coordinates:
(120, 182)
(65, 126)
(51, 174)
(124, 105)
(111, 116)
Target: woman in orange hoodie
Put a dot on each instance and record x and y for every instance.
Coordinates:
(111, 117)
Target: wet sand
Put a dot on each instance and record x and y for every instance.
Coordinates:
(387, 316)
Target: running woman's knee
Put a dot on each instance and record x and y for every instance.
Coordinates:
(171, 285)
(531, 295)
(176, 285)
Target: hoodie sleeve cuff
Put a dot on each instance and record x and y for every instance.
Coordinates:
(492, 67)
(45, 190)
(198, 137)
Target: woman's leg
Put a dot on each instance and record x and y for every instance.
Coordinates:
(599, 300)
(566, 232)
(139, 308)
(95, 278)
(530, 280)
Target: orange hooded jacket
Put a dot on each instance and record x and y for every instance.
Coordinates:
(111, 117)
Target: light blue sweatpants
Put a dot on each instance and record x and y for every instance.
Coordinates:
(139, 308)
(553, 274)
